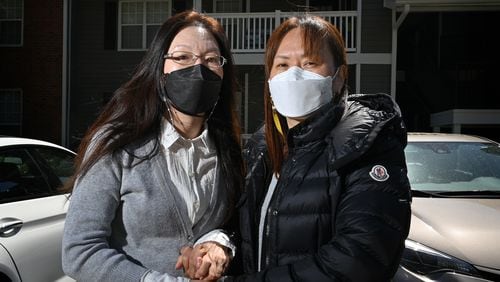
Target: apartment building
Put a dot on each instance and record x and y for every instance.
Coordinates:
(436, 58)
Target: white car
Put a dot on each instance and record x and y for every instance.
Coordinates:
(32, 209)
(455, 224)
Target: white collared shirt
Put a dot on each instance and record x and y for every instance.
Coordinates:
(192, 166)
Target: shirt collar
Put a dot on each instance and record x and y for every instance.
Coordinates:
(171, 136)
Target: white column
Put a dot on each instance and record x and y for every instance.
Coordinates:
(394, 54)
(395, 27)
(197, 5)
(358, 46)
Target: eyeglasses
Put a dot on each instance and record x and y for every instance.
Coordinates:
(186, 58)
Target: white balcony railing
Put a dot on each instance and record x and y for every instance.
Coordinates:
(248, 32)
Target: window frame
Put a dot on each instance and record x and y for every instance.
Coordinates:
(143, 25)
(21, 20)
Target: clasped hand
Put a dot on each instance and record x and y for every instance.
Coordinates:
(206, 261)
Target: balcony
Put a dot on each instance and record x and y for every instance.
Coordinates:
(248, 32)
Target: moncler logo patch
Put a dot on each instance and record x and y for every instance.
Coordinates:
(379, 173)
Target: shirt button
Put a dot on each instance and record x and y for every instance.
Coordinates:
(275, 212)
(189, 237)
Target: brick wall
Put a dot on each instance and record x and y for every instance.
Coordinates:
(36, 68)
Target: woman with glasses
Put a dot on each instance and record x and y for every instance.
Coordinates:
(161, 167)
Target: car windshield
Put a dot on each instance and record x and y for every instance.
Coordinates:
(453, 167)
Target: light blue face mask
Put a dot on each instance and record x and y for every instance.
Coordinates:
(297, 92)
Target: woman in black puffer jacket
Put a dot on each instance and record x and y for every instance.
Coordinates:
(327, 197)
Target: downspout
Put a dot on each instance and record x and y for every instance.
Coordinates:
(245, 109)
(358, 46)
(65, 73)
(395, 26)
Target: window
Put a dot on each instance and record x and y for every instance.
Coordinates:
(138, 22)
(20, 178)
(227, 6)
(10, 111)
(11, 22)
(59, 162)
(33, 172)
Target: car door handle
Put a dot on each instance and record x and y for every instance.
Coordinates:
(9, 226)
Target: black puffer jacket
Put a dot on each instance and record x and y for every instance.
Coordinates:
(341, 208)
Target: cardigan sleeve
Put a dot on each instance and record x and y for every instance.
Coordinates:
(86, 251)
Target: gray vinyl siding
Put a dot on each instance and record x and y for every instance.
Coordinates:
(375, 79)
(263, 6)
(282, 5)
(376, 30)
(255, 96)
(97, 69)
(96, 72)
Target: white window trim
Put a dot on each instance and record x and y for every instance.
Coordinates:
(20, 91)
(22, 28)
(144, 23)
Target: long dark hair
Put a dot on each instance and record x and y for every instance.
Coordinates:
(135, 110)
(316, 34)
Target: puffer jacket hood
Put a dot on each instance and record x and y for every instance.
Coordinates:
(350, 127)
(364, 118)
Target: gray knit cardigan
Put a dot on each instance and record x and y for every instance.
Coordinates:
(125, 217)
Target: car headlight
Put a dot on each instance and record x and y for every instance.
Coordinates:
(424, 260)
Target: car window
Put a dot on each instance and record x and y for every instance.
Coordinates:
(60, 162)
(20, 177)
(453, 166)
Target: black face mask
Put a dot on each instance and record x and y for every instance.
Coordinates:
(192, 90)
